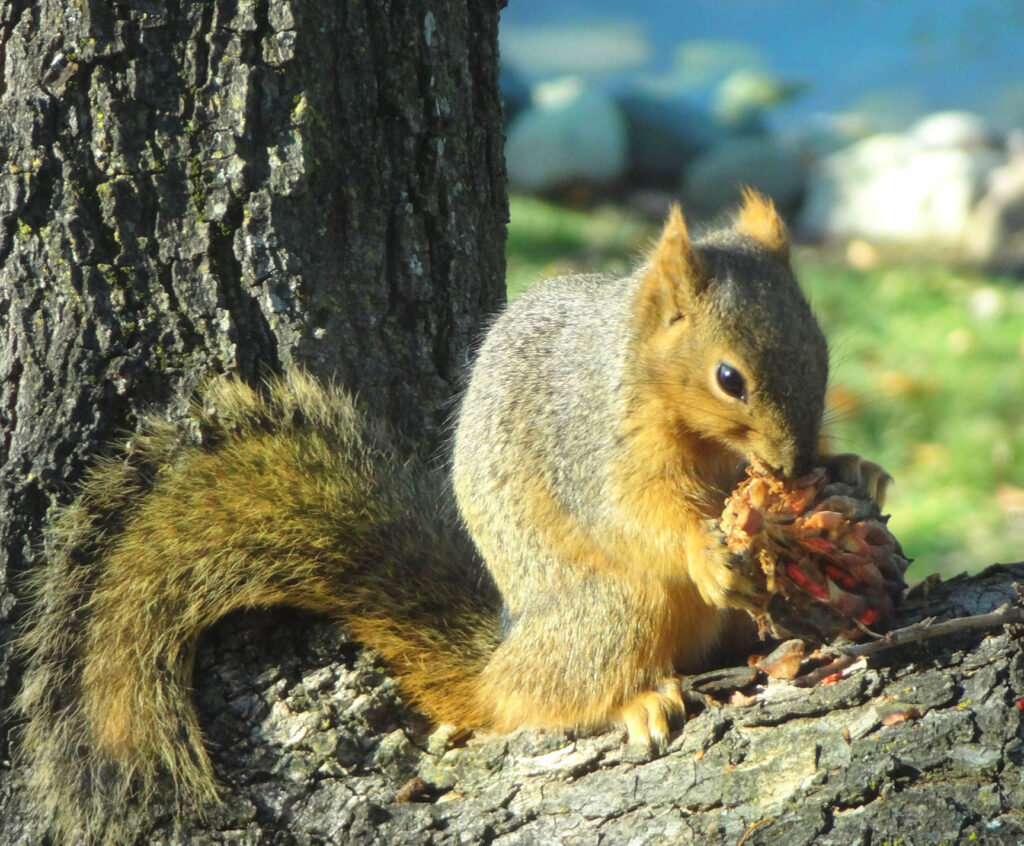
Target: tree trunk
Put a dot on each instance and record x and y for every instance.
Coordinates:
(188, 188)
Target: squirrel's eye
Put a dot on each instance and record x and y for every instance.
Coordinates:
(731, 381)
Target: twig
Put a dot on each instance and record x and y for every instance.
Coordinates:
(1006, 614)
(753, 827)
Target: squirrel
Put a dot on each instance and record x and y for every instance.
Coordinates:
(605, 422)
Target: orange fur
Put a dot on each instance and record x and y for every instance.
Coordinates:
(675, 272)
(594, 444)
(759, 220)
(674, 632)
(647, 716)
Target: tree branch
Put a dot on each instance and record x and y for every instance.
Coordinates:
(1005, 615)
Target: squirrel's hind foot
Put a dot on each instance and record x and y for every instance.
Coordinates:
(648, 715)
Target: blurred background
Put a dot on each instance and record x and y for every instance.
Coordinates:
(891, 135)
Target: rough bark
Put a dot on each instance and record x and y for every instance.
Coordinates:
(188, 188)
(234, 185)
(313, 748)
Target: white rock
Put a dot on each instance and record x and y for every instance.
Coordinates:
(891, 187)
(952, 129)
(995, 231)
(571, 133)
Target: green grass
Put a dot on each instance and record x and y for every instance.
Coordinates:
(544, 240)
(928, 377)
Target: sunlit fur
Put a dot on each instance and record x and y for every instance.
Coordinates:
(759, 221)
(289, 498)
(593, 448)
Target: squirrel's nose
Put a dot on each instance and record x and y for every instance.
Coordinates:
(791, 459)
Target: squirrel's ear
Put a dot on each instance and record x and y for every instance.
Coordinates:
(759, 220)
(674, 274)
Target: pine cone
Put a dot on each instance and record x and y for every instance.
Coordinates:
(821, 556)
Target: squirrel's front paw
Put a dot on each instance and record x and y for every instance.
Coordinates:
(726, 579)
(647, 715)
(864, 477)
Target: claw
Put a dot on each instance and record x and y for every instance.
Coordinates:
(845, 467)
(647, 716)
(850, 469)
(880, 486)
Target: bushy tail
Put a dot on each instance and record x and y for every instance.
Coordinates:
(282, 497)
